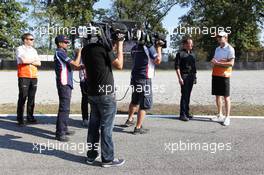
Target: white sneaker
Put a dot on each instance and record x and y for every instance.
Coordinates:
(218, 118)
(85, 123)
(226, 121)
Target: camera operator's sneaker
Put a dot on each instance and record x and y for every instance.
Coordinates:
(218, 118)
(114, 163)
(129, 123)
(226, 121)
(140, 131)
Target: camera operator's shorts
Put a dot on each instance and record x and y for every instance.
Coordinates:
(220, 86)
(142, 93)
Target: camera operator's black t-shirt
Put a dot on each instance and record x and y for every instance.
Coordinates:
(98, 64)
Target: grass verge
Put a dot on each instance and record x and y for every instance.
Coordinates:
(237, 110)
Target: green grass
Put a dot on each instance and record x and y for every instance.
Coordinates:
(237, 110)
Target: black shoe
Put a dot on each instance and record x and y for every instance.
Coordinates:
(140, 131)
(70, 133)
(91, 157)
(114, 163)
(190, 116)
(62, 138)
(129, 123)
(31, 121)
(21, 123)
(184, 118)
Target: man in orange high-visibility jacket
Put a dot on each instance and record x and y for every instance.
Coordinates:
(27, 72)
(222, 62)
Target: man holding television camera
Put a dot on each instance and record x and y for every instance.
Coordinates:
(98, 61)
(145, 56)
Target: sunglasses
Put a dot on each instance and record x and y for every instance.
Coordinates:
(31, 39)
(66, 42)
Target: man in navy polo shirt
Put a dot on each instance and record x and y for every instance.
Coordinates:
(144, 61)
(64, 81)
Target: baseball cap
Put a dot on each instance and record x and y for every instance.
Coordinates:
(222, 33)
(61, 38)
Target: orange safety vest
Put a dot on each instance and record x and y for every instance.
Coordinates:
(222, 71)
(27, 71)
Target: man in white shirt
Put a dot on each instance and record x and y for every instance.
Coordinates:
(222, 62)
(27, 63)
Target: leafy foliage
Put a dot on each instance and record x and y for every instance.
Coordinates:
(243, 18)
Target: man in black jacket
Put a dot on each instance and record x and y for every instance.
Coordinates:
(186, 72)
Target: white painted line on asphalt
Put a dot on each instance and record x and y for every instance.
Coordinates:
(150, 116)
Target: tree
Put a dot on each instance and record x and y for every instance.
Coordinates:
(243, 18)
(74, 13)
(71, 14)
(10, 22)
(43, 16)
(148, 12)
(57, 15)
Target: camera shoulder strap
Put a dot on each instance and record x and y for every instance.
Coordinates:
(146, 51)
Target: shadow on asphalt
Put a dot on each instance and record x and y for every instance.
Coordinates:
(10, 142)
(50, 120)
(29, 129)
(121, 129)
(12, 126)
(13, 142)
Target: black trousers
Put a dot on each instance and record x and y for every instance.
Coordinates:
(27, 91)
(84, 105)
(64, 92)
(186, 91)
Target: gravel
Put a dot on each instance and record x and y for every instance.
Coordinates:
(246, 88)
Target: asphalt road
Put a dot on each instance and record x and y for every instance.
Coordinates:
(218, 150)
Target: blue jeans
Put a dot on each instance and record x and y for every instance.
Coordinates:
(103, 110)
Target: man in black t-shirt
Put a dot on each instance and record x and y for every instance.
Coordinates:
(98, 64)
(101, 96)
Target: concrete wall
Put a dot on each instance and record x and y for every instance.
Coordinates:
(46, 65)
(12, 65)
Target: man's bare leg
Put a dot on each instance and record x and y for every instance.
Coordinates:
(227, 108)
(140, 118)
(227, 105)
(219, 105)
(131, 111)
